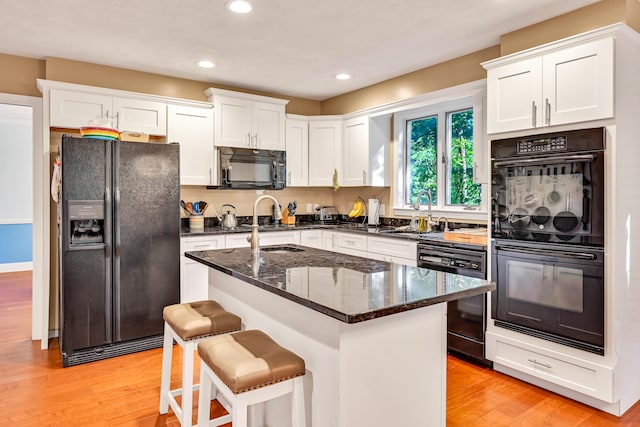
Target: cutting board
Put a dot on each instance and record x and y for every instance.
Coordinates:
(468, 235)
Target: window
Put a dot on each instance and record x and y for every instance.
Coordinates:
(455, 154)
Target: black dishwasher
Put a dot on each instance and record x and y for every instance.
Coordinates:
(466, 318)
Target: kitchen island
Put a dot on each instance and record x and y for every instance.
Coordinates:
(372, 333)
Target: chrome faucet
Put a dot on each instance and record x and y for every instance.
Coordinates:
(446, 222)
(253, 238)
(416, 206)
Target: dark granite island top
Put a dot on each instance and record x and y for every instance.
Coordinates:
(373, 334)
(348, 288)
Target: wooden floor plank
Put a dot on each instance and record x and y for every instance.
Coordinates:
(36, 391)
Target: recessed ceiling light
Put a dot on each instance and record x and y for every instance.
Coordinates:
(206, 64)
(343, 76)
(239, 6)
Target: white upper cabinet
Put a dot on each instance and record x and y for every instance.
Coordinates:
(297, 143)
(325, 143)
(141, 116)
(248, 121)
(70, 109)
(559, 83)
(365, 153)
(192, 128)
(577, 83)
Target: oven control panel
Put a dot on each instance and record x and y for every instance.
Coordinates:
(542, 145)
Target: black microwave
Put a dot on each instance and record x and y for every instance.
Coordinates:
(246, 168)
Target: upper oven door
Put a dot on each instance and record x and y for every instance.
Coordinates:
(549, 189)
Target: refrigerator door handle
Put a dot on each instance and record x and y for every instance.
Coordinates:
(116, 244)
(108, 218)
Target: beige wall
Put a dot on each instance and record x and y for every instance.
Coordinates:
(451, 73)
(18, 75)
(597, 15)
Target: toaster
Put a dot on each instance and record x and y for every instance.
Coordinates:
(327, 214)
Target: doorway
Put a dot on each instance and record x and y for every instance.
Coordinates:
(21, 175)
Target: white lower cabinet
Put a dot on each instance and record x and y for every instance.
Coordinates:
(279, 238)
(236, 240)
(329, 240)
(193, 275)
(392, 250)
(311, 238)
(352, 244)
(572, 372)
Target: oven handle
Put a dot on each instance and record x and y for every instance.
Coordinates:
(546, 161)
(563, 254)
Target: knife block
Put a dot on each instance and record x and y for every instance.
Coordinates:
(286, 219)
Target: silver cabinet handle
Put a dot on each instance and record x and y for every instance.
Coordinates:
(364, 176)
(534, 112)
(547, 113)
(289, 177)
(535, 362)
(211, 176)
(248, 139)
(255, 144)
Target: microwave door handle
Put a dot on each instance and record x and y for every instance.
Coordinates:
(562, 254)
(546, 160)
(226, 176)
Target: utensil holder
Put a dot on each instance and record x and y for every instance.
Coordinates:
(196, 223)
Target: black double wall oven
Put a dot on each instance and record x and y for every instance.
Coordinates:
(548, 236)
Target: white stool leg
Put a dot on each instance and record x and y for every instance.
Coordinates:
(239, 413)
(165, 381)
(298, 412)
(204, 400)
(187, 382)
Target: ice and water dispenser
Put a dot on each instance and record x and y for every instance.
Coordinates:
(86, 223)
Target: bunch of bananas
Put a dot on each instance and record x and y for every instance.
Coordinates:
(357, 210)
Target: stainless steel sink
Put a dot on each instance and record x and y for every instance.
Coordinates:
(284, 249)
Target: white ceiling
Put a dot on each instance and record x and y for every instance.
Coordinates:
(288, 47)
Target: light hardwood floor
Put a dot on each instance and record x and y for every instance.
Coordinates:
(36, 391)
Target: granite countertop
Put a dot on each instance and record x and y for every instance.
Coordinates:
(383, 231)
(348, 288)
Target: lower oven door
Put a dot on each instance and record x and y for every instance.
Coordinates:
(555, 293)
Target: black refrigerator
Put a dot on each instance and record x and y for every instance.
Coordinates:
(119, 246)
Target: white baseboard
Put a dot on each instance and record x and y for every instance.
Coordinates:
(16, 266)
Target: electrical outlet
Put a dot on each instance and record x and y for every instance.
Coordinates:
(308, 207)
(381, 209)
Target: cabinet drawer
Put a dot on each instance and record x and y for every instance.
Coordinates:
(352, 242)
(578, 375)
(202, 244)
(393, 247)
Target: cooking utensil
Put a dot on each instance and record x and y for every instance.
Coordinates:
(554, 197)
(189, 208)
(585, 209)
(566, 220)
(541, 215)
(229, 219)
(519, 218)
(183, 205)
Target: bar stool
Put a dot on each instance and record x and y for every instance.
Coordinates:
(247, 367)
(188, 324)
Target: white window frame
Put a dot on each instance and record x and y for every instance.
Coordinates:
(447, 100)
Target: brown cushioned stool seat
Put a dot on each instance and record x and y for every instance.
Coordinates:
(242, 363)
(201, 318)
(188, 324)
